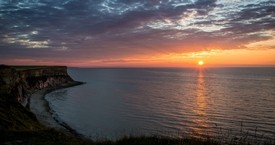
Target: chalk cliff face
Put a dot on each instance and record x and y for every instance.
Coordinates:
(21, 83)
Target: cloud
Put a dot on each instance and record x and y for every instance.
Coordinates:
(116, 29)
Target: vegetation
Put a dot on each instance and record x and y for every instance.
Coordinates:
(53, 137)
(22, 68)
(13, 116)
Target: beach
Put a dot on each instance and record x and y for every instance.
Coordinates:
(40, 107)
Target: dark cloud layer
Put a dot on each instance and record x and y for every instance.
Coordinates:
(101, 29)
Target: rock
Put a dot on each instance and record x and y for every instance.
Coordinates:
(22, 83)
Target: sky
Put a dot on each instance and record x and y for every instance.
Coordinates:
(137, 33)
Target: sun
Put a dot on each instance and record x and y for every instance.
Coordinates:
(200, 63)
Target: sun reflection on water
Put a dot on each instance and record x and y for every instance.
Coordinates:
(200, 106)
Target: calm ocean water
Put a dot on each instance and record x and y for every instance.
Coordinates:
(154, 101)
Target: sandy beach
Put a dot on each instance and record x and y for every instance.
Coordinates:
(39, 106)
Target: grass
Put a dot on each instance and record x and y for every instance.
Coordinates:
(41, 137)
(13, 116)
(22, 68)
(53, 137)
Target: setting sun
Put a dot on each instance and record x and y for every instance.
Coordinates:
(200, 63)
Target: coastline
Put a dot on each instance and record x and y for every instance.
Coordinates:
(39, 106)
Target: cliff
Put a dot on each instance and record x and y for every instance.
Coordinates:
(21, 82)
(17, 84)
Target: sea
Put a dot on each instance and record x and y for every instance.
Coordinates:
(232, 103)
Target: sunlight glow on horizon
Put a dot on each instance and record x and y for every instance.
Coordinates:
(214, 58)
(233, 57)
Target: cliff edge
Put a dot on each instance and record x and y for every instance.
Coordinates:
(18, 83)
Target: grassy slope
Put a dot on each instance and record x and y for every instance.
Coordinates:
(20, 68)
(52, 137)
(13, 116)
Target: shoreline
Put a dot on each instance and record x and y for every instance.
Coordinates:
(39, 106)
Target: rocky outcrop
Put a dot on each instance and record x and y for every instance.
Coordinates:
(21, 82)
